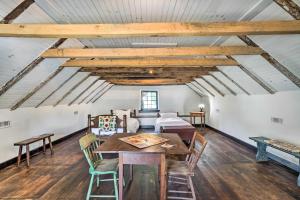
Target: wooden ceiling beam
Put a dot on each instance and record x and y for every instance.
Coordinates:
(150, 29)
(161, 81)
(153, 63)
(151, 52)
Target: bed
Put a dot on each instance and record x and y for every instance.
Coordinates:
(171, 123)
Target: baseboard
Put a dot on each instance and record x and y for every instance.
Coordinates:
(147, 126)
(282, 162)
(39, 149)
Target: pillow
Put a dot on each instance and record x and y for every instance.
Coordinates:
(120, 113)
(168, 115)
(107, 123)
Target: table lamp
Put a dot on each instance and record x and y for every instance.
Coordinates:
(201, 106)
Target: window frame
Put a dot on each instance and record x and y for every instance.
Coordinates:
(145, 110)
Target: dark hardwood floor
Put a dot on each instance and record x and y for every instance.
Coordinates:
(227, 171)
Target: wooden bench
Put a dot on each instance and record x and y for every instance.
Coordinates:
(261, 155)
(29, 141)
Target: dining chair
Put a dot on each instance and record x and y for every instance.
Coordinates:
(98, 165)
(181, 172)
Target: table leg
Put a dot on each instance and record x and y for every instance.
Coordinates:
(163, 184)
(120, 176)
(204, 121)
(50, 144)
(27, 155)
(298, 180)
(20, 154)
(44, 146)
(131, 172)
(261, 154)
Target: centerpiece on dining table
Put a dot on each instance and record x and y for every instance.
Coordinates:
(143, 140)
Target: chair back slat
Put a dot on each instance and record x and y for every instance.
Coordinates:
(198, 142)
(88, 144)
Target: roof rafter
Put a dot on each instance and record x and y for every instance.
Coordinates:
(26, 70)
(92, 92)
(150, 29)
(17, 11)
(222, 83)
(290, 6)
(83, 91)
(234, 82)
(195, 91)
(197, 84)
(214, 87)
(104, 91)
(97, 93)
(71, 90)
(37, 88)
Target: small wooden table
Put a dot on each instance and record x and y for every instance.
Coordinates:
(30, 141)
(153, 155)
(193, 116)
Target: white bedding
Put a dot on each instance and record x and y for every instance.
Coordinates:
(175, 121)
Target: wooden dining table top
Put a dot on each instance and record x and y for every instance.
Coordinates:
(114, 145)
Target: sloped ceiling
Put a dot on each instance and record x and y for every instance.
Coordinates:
(17, 53)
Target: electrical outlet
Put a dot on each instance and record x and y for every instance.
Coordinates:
(4, 124)
(75, 112)
(277, 120)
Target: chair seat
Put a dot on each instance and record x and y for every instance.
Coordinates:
(107, 165)
(175, 167)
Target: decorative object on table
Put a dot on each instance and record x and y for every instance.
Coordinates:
(201, 107)
(143, 140)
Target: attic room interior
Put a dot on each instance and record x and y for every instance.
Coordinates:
(150, 99)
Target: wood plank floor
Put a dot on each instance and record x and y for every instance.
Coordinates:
(227, 171)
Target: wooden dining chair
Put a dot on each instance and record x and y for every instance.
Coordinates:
(181, 172)
(98, 165)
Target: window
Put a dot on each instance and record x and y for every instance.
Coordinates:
(149, 101)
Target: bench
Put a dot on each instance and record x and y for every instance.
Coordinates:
(263, 142)
(29, 141)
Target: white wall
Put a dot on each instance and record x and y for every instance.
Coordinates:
(178, 98)
(29, 122)
(244, 116)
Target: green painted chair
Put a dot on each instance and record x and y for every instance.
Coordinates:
(98, 165)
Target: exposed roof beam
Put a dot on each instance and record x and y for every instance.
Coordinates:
(83, 91)
(277, 65)
(26, 70)
(139, 70)
(222, 83)
(91, 92)
(71, 90)
(161, 81)
(97, 93)
(31, 93)
(17, 11)
(234, 82)
(214, 87)
(255, 78)
(60, 86)
(150, 29)
(151, 62)
(104, 91)
(197, 84)
(290, 6)
(150, 52)
(198, 93)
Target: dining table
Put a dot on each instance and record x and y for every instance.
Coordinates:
(152, 155)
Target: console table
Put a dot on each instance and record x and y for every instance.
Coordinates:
(193, 116)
